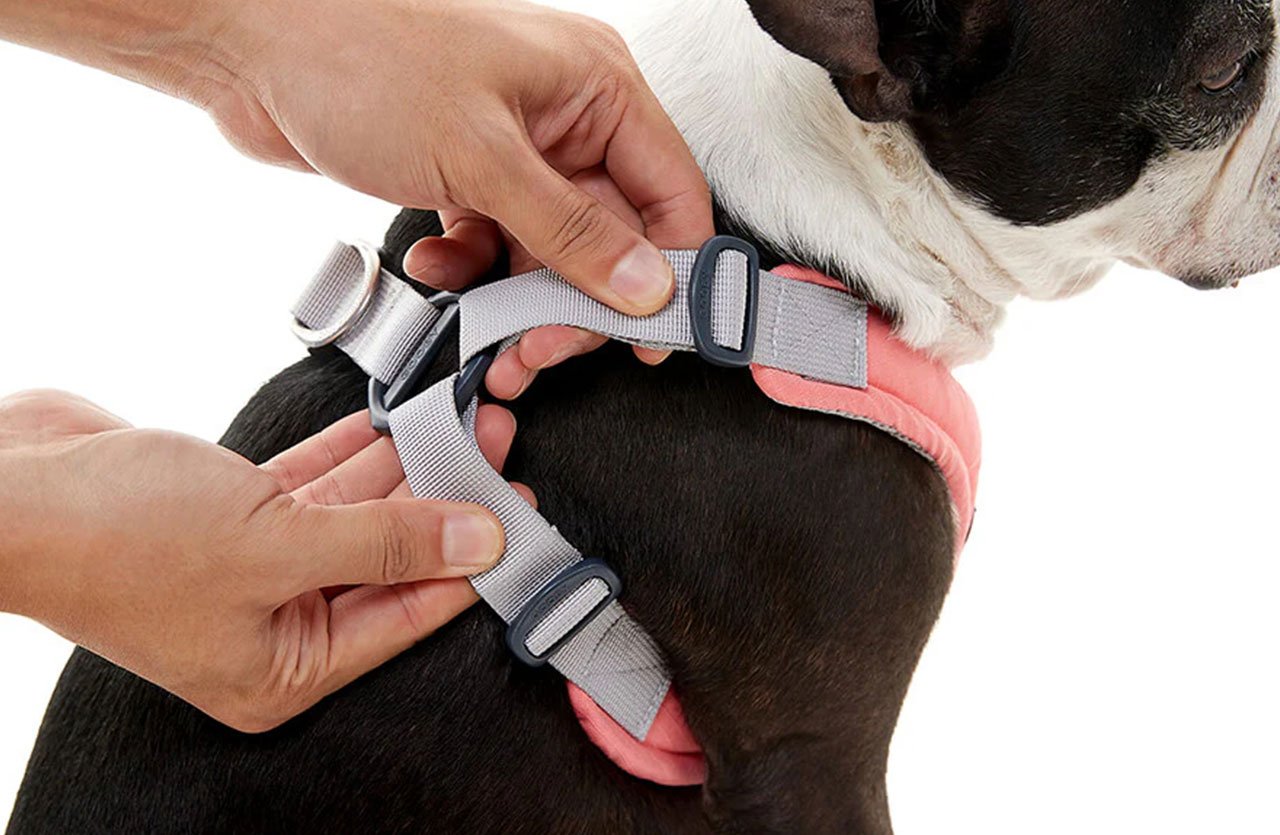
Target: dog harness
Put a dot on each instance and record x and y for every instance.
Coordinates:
(808, 344)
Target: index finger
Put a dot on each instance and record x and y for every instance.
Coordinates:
(652, 165)
(322, 452)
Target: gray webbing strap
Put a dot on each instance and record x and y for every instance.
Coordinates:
(611, 658)
(817, 332)
(814, 331)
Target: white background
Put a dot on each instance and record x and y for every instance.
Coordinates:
(1107, 660)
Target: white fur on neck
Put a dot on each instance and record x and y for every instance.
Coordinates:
(789, 161)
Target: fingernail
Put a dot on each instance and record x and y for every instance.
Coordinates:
(643, 278)
(470, 540)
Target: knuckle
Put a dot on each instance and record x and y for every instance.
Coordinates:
(266, 705)
(52, 412)
(685, 211)
(251, 716)
(614, 52)
(37, 402)
(580, 225)
(395, 549)
(598, 45)
(412, 615)
(605, 37)
(326, 490)
(269, 517)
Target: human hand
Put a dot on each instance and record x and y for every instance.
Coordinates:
(470, 254)
(484, 109)
(250, 592)
(491, 111)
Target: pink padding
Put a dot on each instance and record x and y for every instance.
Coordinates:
(669, 755)
(909, 395)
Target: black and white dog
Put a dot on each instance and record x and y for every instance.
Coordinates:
(941, 157)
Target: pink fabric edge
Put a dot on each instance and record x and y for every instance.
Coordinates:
(668, 756)
(908, 394)
(914, 398)
(887, 412)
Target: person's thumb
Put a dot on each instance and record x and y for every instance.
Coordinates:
(390, 541)
(580, 238)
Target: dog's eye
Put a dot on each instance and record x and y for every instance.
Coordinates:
(1220, 82)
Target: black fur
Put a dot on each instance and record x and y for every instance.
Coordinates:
(1064, 129)
(790, 564)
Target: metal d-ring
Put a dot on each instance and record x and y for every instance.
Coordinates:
(319, 337)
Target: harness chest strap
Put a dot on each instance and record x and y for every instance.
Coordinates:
(562, 608)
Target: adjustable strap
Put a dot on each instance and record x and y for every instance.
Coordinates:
(561, 607)
(816, 332)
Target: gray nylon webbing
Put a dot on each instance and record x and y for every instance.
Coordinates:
(386, 335)
(611, 659)
(817, 332)
(805, 329)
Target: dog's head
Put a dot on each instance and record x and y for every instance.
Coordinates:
(1044, 110)
(953, 154)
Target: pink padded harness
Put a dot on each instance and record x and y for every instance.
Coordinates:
(908, 395)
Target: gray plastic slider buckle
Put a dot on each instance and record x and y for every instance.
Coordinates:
(549, 597)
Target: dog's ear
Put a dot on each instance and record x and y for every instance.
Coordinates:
(843, 37)
(890, 58)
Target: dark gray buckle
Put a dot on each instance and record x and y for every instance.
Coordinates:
(471, 377)
(552, 595)
(384, 398)
(702, 303)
